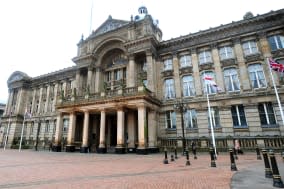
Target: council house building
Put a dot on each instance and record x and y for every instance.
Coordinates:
(130, 91)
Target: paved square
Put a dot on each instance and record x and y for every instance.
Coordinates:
(43, 169)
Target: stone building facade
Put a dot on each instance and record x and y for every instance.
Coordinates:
(124, 92)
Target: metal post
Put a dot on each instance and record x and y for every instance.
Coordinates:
(235, 153)
(166, 157)
(182, 107)
(268, 172)
(172, 157)
(277, 181)
(176, 157)
(258, 156)
(187, 158)
(232, 158)
(213, 163)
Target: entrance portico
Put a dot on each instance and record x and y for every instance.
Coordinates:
(123, 127)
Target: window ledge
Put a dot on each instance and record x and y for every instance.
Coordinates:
(216, 129)
(171, 130)
(192, 130)
(241, 128)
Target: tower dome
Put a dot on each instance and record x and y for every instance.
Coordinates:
(142, 13)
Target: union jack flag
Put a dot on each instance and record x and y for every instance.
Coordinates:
(276, 66)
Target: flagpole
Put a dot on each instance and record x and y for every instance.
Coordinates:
(211, 124)
(22, 133)
(7, 134)
(276, 92)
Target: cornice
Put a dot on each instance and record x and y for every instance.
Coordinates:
(264, 23)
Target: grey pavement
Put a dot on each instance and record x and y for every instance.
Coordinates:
(253, 177)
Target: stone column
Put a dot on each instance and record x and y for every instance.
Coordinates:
(217, 66)
(85, 143)
(131, 76)
(102, 146)
(40, 101)
(7, 107)
(89, 78)
(47, 99)
(20, 107)
(97, 81)
(152, 131)
(142, 143)
(196, 74)
(71, 133)
(243, 72)
(131, 131)
(120, 146)
(151, 79)
(176, 76)
(77, 82)
(33, 101)
(55, 96)
(56, 147)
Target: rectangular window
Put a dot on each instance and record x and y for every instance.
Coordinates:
(266, 114)
(238, 116)
(226, 53)
(205, 57)
(250, 48)
(65, 125)
(276, 42)
(190, 119)
(215, 117)
(168, 64)
(185, 61)
(170, 120)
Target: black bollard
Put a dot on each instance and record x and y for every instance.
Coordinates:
(194, 153)
(172, 158)
(258, 156)
(235, 155)
(166, 157)
(212, 154)
(268, 172)
(232, 158)
(187, 158)
(176, 153)
(277, 181)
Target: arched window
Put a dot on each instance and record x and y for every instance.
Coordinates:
(231, 79)
(169, 89)
(188, 86)
(256, 76)
(208, 87)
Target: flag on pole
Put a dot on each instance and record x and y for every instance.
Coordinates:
(276, 66)
(210, 81)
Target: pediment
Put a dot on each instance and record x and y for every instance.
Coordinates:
(109, 25)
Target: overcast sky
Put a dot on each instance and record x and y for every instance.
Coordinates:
(41, 36)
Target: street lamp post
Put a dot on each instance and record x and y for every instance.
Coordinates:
(181, 107)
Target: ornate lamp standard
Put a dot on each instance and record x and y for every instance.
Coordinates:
(181, 106)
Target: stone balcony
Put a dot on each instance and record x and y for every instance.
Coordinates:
(137, 92)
